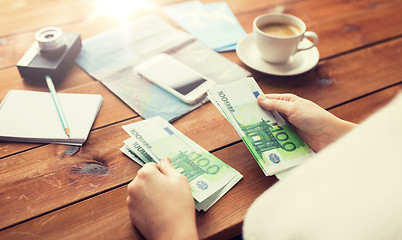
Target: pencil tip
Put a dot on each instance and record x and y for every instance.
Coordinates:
(67, 130)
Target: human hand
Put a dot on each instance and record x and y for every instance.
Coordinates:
(316, 126)
(160, 203)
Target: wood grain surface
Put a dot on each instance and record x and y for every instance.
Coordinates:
(50, 191)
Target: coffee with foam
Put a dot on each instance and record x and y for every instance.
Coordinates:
(280, 29)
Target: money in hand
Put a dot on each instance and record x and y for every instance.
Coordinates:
(155, 138)
(270, 139)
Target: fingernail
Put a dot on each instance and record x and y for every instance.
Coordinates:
(262, 97)
(165, 160)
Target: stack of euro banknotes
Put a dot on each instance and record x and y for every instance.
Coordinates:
(271, 140)
(155, 138)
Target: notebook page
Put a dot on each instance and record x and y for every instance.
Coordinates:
(33, 116)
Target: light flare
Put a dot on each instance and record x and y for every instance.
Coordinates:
(121, 9)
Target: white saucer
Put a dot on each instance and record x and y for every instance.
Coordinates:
(299, 63)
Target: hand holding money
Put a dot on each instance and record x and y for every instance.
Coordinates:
(155, 138)
(160, 203)
(316, 126)
(271, 140)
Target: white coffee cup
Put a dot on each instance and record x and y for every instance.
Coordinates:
(278, 48)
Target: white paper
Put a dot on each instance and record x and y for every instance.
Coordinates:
(30, 116)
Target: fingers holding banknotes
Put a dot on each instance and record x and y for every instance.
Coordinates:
(160, 203)
(315, 125)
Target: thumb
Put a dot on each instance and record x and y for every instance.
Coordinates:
(281, 106)
(166, 166)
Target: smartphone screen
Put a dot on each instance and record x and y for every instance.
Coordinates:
(165, 70)
(185, 87)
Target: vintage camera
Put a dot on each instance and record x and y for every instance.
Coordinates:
(52, 54)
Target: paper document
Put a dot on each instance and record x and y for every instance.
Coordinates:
(214, 24)
(111, 57)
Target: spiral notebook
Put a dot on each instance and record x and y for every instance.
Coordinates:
(31, 116)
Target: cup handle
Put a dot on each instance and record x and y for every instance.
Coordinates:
(312, 35)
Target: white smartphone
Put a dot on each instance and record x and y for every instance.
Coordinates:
(176, 78)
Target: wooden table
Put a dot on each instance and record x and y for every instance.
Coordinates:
(50, 191)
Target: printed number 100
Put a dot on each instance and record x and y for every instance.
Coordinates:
(282, 136)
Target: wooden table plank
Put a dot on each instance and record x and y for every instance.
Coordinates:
(101, 217)
(90, 212)
(24, 16)
(346, 31)
(357, 111)
(332, 39)
(11, 79)
(35, 182)
(18, 17)
(59, 192)
(105, 216)
(62, 177)
(338, 71)
(338, 78)
(341, 78)
(346, 81)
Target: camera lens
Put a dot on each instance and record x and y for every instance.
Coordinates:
(49, 36)
(50, 39)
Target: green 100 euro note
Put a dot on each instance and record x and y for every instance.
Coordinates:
(270, 139)
(209, 177)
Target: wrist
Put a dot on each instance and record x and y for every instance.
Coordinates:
(187, 231)
(181, 234)
(186, 234)
(340, 128)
